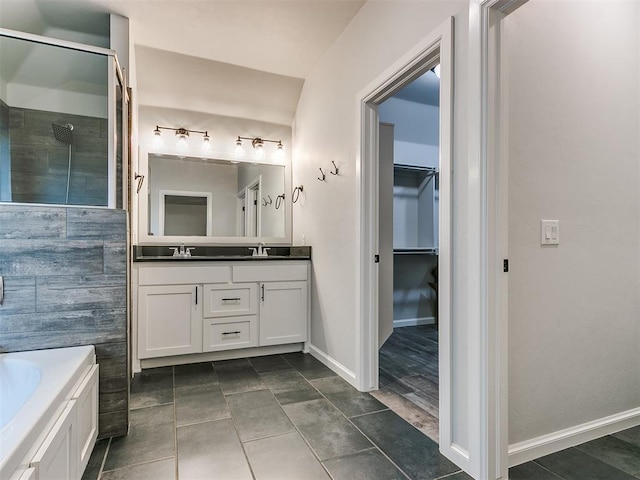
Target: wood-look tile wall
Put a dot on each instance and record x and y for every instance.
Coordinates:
(39, 162)
(65, 285)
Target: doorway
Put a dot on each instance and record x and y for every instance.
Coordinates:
(434, 50)
(408, 229)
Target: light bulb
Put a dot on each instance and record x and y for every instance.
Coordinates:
(182, 145)
(206, 144)
(157, 139)
(260, 151)
(239, 152)
(280, 151)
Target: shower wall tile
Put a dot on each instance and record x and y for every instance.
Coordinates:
(39, 162)
(23, 222)
(65, 279)
(115, 258)
(67, 292)
(45, 257)
(20, 293)
(85, 224)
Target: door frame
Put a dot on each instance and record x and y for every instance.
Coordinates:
(487, 190)
(438, 45)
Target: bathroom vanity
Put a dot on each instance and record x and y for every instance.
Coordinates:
(231, 307)
(201, 290)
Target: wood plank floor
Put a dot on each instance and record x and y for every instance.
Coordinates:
(409, 376)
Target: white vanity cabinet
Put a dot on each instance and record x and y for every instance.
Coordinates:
(282, 306)
(204, 307)
(169, 320)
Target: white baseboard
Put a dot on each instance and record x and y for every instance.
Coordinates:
(334, 365)
(412, 322)
(569, 437)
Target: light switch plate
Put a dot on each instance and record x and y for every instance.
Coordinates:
(549, 232)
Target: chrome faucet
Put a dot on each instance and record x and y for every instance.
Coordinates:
(260, 251)
(181, 251)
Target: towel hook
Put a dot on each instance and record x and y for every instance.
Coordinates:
(140, 179)
(279, 200)
(322, 179)
(335, 167)
(296, 193)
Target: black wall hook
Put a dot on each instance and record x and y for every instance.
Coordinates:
(335, 170)
(322, 179)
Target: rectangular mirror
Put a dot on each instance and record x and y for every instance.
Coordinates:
(207, 200)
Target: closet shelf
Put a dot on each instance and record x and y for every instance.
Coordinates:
(415, 251)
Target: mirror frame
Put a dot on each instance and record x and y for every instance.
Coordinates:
(140, 213)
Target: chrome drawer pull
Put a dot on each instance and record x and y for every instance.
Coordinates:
(231, 333)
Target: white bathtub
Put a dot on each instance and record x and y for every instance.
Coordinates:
(35, 388)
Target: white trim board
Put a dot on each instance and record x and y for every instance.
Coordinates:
(334, 365)
(412, 322)
(528, 450)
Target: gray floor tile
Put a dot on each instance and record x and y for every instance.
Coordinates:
(195, 374)
(574, 464)
(457, 476)
(630, 435)
(283, 457)
(531, 471)
(237, 376)
(151, 437)
(416, 454)
(308, 366)
(367, 465)
(325, 429)
(269, 363)
(159, 470)
(622, 455)
(350, 401)
(258, 415)
(151, 387)
(200, 404)
(289, 386)
(211, 450)
(92, 470)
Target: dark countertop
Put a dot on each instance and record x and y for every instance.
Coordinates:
(157, 253)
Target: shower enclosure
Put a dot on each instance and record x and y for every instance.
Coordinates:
(62, 130)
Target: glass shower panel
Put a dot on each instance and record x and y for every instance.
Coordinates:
(53, 124)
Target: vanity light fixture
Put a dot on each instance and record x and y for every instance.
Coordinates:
(183, 135)
(258, 144)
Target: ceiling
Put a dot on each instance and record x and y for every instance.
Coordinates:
(245, 58)
(284, 37)
(239, 58)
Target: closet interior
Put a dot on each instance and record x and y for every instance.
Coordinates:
(408, 275)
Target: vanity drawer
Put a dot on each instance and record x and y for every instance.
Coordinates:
(182, 275)
(271, 272)
(227, 300)
(239, 333)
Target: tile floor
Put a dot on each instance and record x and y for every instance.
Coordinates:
(288, 417)
(279, 417)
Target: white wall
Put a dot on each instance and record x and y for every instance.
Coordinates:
(326, 129)
(574, 109)
(416, 131)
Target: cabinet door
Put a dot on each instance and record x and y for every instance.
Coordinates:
(57, 456)
(169, 320)
(283, 312)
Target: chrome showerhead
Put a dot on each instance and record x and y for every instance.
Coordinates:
(63, 133)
